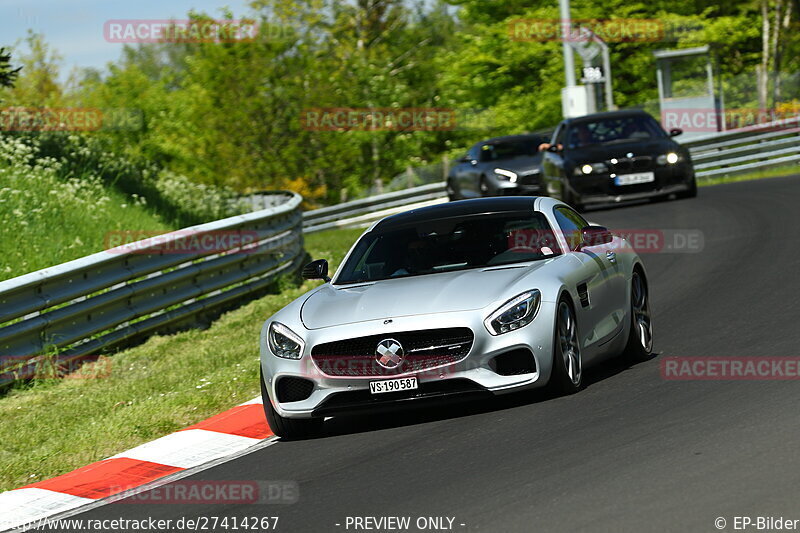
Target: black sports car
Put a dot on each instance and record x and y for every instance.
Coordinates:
(501, 166)
(615, 156)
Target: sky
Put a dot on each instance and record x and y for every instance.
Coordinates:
(75, 27)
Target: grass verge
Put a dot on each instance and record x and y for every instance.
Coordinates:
(775, 172)
(47, 218)
(50, 427)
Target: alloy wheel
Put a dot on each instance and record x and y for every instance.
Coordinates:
(568, 338)
(641, 313)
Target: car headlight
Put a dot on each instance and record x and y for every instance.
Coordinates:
(670, 158)
(512, 176)
(515, 313)
(284, 342)
(591, 168)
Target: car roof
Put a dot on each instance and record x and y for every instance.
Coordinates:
(607, 114)
(476, 206)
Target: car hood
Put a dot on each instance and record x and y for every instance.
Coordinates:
(604, 152)
(418, 295)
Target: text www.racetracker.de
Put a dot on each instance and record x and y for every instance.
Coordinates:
(200, 523)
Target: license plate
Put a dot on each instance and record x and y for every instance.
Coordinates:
(633, 179)
(393, 385)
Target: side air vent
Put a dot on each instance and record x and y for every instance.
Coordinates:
(583, 294)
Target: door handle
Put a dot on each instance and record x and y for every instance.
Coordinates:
(611, 256)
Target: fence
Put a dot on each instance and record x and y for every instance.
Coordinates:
(364, 210)
(717, 154)
(109, 297)
(744, 150)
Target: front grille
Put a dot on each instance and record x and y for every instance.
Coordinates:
(530, 177)
(640, 163)
(423, 350)
(294, 389)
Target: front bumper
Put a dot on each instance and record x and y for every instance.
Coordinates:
(600, 188)
(514, 189)
(471, 376)
(641, 195)
(527, 185)
(429, 393)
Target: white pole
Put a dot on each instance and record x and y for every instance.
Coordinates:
(607, 72)
(569, 61)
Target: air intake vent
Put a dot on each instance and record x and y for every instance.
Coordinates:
(514, 363)
(294, 389)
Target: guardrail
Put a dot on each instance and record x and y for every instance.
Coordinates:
(104, 299)
(717, 154)
(742, 150)
(361, 212)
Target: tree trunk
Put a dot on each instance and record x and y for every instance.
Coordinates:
(774, 45)
(763, 68)
(781, 30)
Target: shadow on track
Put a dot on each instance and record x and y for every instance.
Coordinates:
(453, 409)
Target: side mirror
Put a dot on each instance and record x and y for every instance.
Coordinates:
(674, 132)
(594, 235)
(316, 270)
(555, 148)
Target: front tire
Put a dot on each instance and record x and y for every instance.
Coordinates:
(570, 199)
(691, 192)
(452, 195)
(483, 187)
(288, 428)
(640, 339)
(567, 374)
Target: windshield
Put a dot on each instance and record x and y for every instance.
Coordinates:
(445, 245)
(510, 149)
(614, 129)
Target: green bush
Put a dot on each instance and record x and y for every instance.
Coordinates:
(61, 195)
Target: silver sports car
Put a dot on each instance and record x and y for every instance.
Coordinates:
(483, 296)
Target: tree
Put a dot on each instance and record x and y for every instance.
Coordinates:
(776, 18)
(38, 85)
(7, 74)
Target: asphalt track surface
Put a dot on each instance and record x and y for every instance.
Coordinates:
(631, 452)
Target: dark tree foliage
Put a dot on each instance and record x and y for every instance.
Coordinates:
(7, 74)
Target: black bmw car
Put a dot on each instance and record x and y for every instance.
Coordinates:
(615, 156)
(502, 166)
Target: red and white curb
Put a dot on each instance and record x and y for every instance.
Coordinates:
(211, 441)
